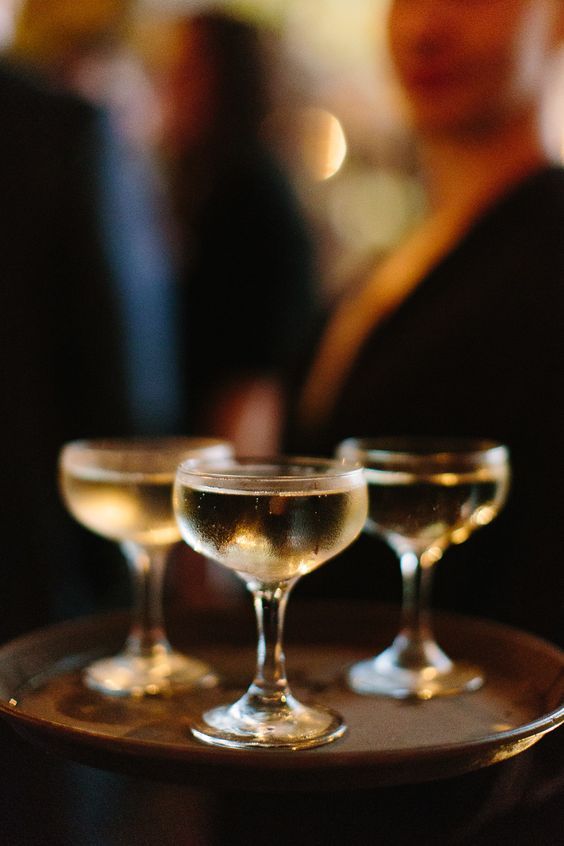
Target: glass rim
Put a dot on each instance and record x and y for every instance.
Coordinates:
(424, 449)
(137, 443)
(109, 457)
(229, 472)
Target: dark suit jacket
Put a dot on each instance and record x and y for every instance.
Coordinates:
(60, 357)
(475, 350)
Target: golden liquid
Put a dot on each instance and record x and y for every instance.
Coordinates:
(441, 509)
(270, 537)
(121, 508)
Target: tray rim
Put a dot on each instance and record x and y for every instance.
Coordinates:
(531, 731)
(196, 754)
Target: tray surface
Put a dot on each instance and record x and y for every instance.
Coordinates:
(388, 741)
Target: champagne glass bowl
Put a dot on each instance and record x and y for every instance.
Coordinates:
(271, 521)
(122, 489)
(425, 494)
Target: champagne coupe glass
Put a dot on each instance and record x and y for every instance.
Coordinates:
(425, 493)
(271, 521)
(122, 489)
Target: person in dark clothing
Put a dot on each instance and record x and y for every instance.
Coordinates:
(88, 336)
(476, 350)
(61, 371)
(83, 339)
(61, 377)
(459, 331)
(246, 254)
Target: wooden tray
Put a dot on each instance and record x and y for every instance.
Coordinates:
(388, 742)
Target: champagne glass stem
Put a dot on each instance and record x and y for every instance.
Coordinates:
(269, 689)
(411, 645)
(416, 587)
(147, 565)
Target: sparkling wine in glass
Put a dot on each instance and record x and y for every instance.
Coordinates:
(425, 494)
(271, 522)
(121, 489)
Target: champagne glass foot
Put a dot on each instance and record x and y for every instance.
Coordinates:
(290, 726)
(382, 676)
(137, 676)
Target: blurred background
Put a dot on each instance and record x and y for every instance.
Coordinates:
(264, 167)
(333, 118)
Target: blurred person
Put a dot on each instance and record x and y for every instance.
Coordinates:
(246, 256)
(90, 333)
(82, 260)
(85, 49)
(60, 376)
(459, 331)
(61, 337)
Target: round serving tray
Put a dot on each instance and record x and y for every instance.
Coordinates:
(388, 741)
